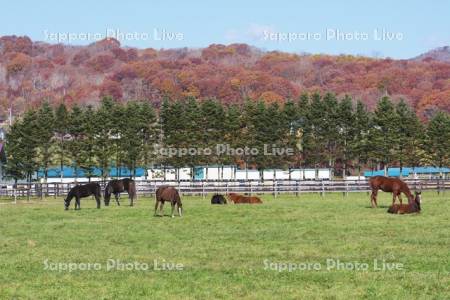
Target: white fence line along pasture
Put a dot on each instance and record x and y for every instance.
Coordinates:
(203, 187)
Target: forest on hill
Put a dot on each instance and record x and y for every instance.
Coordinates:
(34, 72)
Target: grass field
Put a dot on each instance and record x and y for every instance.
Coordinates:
(227, 251)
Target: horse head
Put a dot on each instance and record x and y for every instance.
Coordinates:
(67, 201)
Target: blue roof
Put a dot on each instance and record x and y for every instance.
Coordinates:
(96, 172)
(395, 172)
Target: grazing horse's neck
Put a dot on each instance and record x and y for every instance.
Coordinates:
(408, 193)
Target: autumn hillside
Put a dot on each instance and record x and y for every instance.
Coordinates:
(33, 71)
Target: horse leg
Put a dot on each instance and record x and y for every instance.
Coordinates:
(399, 196)
(156, 207)
(179, 209)
(161, 211)
(394, 194)
(97, 198)
(77, 203)
(131, 199)
(117, 199)
(373, 198)
(173, 206)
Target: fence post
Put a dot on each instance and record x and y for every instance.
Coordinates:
(346, 188)
(323, 189)
(274, 188)
(203, 189)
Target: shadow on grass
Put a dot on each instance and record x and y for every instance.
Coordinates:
(379, 206)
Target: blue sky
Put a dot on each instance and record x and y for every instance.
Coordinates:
(397, 29)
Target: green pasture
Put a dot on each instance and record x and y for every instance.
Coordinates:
(226, 252)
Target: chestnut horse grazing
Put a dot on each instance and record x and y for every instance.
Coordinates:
(81, 191)
(390, 185)
(411, 207)
(168, 193)
(239, 199)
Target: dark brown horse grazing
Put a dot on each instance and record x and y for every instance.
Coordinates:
(411, 207)
(239, 199)
(390, 185)
(118, 186)
(168, 193)
(81, 191)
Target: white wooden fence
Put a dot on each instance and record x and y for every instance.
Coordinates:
(203, 188)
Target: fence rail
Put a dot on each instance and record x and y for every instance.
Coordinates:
(274, 187)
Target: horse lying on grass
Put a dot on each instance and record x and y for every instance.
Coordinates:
(168, 193)
(81, 191)
(239, 199)
(118, 186)
(411, 207)
(218, 199)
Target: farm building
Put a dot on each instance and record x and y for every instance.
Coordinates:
(415, 172)
(68, 174)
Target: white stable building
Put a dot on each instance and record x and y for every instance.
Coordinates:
(233, 173)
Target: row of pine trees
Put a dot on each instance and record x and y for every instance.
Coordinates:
(321, 131)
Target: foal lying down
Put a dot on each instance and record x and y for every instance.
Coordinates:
(410, 208)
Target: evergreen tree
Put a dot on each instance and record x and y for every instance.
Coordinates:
(29, 136)
(76, 132)
(45, 125)
(417, 155)
(303, 133)
(409, 134)
(149, 134)
(438, 139)
(212, 117)
(360, 146)
(384, 133)
(15, 148)
(290, 130)
(316, 140)
(88, 143)
(330, 128)
(190, 123)
(119, 122)
(346, 131)
(104, 128)
(61, 130)
(233, 133)
(132, 136)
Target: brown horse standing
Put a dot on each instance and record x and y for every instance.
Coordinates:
(390, 185)
(168, 193)
(118, 186)
(239, 199)
(411, 207)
